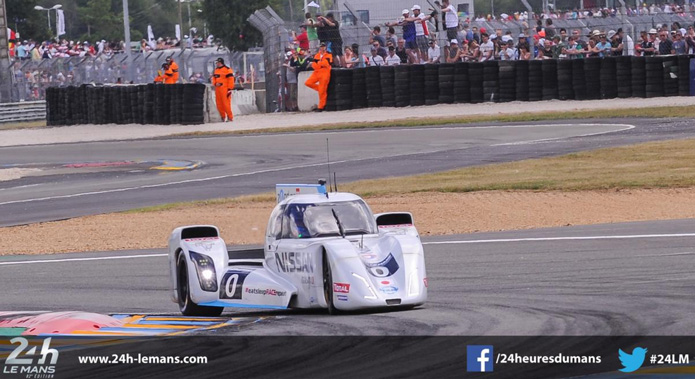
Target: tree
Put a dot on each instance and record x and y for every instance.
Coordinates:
(23, 18)
(101, 21)
(227, 19)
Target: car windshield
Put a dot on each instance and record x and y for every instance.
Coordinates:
(318, 220)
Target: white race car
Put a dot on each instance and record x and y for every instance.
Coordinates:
(322, 250)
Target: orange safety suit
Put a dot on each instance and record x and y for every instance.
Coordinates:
(172, 73)
(318, 81)
(223, 81)
(160, 78)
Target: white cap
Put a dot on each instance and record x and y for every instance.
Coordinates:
(682, 30)
(506, 38)
(652, 31)
(415, 7)
(610, 34)
(494, 36)
(521, 35)
(454, 41)
(405, 11)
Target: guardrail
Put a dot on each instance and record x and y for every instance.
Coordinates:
(22, 111)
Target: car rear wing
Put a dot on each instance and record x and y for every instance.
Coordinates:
(396, 223)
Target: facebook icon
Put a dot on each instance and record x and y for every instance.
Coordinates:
(479, 358)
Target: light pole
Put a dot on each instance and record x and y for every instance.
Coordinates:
(48, 12)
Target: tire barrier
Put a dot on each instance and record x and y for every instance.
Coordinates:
(446, 83)
(495, 81)
(387, 78)
(134, 104)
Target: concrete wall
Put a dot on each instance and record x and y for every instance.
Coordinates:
(243, 102)
(307, 98)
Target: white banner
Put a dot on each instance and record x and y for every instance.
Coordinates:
(60, 22)
(150, 37)
(178, 32)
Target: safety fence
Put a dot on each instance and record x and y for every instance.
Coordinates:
(127, 104)
(30, 78)
(503, 81)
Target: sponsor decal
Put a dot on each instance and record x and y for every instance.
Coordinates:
(24, 361)
(294, 262)
(232, 284)
(307, 280)
(385, 282)
(426, 283)
(389, 290)
(341, 287)
(386, 267)
(342, 297)
(265, 292)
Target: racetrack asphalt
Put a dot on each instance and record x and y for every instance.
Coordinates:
(238, 165)
(612, 279)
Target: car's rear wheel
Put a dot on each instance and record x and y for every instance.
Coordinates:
(186, 305)
(328, 285)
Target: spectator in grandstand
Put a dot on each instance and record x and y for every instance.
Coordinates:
(575, 48)
(311, 31)
(375, 59)
(472, 51)
(401, 51)
(524, 53)
(302, 39)
(434, 52)
(451, 19)
(409, 35)
(628, 43)
(616, 43)
(380, 50)
(679, 43)
(454, 54)
(549, 28)
(332, 29)
(603, 46)
(487, 49)
(690, 40)
(351, 59)
(391, 36)
(392, 59)
(559, 48)
(421, 32)
(509, 53)
(376, 36)
(665, 44)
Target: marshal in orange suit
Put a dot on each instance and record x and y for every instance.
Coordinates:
(223, 81)
(318, 81)
(172, 73)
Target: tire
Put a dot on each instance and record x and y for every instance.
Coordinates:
(186, 305)
(328, 285)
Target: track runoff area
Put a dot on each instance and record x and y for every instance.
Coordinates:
(491, 297)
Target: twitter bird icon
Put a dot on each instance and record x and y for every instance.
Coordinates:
(632, 362)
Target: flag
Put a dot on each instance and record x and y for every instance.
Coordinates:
(60, 22)
(178, 32)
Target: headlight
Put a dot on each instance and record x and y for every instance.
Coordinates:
(373, 295)
(205, 268)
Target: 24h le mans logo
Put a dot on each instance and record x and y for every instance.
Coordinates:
(25, 366)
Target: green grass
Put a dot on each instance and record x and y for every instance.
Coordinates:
(656, 112)
(664, 164)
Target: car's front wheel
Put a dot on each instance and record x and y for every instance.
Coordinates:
(328, 285)
(186, 305)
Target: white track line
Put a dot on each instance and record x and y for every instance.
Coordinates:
(626, 127)
(586, 238)
(561, 239)
(83, 259)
